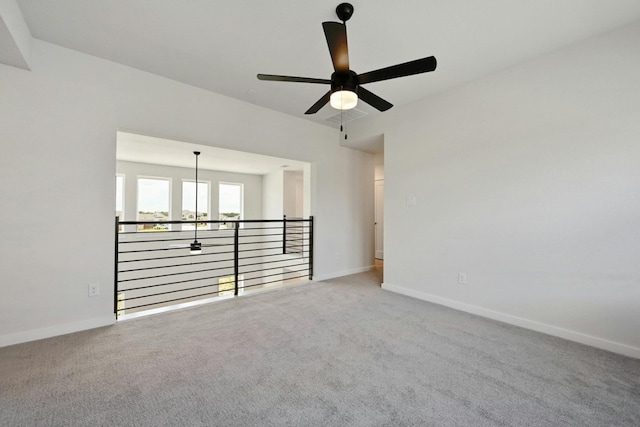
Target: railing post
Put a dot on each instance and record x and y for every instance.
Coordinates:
(236, 257)
(115, 269)
(284, 234)
(311, 248)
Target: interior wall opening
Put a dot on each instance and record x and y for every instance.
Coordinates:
(232, 186)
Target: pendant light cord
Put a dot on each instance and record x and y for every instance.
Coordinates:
(195, 237)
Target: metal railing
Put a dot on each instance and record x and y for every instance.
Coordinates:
(293, 235)
(154, 267)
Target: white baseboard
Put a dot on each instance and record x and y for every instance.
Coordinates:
(320, 278)
(53, 331)
(570, 335)
(37, 334)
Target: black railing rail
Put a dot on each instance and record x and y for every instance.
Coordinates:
(154, 266)
(293, 235)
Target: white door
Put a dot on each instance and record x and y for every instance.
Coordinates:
(379, 218)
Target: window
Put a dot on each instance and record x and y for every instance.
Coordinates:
(189, 203)
(120, 196)
(230, 203)
(154, 195)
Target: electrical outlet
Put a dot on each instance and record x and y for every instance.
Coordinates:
(462, 278)
(94, 289)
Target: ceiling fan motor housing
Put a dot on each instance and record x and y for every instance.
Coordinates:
(344, 80)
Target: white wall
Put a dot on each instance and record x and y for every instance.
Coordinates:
(15, 37)
(273, 184)
(293, 194)
(58, 127)
(379, 166)
(528, 181)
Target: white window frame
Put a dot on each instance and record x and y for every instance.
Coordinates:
(209, 213)
(159, 178)
(239, 184)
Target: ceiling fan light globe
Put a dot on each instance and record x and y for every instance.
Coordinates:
(344, 100)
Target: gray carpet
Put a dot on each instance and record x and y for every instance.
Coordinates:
(336, 353)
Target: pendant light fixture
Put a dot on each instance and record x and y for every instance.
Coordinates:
(196, 247)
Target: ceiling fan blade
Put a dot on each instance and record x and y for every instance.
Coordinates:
(401, 70)
(318, 105)
(336, 34)
(374, 100)
(275, 78)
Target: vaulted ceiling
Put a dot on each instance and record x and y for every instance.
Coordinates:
(221, 45)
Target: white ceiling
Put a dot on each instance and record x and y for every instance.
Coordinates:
(221, 45)
(146, 149)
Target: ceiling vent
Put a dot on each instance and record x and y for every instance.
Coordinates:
(347, 116)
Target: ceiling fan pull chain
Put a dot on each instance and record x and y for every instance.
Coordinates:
(341, 115)
(345, 125)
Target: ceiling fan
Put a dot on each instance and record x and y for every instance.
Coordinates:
(346, 85)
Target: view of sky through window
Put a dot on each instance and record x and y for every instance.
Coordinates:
(231, 198)
(153, 195)
(230, 204)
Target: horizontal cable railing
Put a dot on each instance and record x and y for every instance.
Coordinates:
(154, 266)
